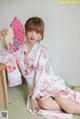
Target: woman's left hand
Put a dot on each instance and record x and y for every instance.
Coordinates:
(34, 105)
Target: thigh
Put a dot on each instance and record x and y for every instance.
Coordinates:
(68, 105)
(49, 104)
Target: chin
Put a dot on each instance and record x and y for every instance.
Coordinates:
(33, 42)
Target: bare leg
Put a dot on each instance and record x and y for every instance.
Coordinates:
(49, 104)
(68, 105)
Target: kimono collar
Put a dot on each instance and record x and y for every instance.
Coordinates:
(34, 48)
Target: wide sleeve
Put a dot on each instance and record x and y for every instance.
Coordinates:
(42, 61)
(17, 54)
(13, 73)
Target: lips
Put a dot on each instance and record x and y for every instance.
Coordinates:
(31, 38)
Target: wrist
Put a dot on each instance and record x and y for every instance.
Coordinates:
(1, 37)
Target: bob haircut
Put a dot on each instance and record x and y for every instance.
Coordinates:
(35, 24)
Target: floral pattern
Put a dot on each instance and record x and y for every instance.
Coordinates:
(36, 67)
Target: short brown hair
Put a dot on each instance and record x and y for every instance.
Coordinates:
(35, 24)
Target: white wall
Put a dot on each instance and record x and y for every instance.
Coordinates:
(62, 35)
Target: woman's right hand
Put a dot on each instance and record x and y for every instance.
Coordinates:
(3, 33)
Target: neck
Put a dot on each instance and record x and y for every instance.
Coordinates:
(29, 46)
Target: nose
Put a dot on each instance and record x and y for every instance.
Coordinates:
(33, 33)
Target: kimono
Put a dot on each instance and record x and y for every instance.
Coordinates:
(36, 67)
(13, 73)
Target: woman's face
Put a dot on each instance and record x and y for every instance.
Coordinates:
(33, 37)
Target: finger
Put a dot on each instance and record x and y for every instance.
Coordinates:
(4, 32)
(37, 108)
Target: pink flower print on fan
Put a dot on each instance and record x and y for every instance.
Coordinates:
(19, 34)
(12, 48)
(18, 29)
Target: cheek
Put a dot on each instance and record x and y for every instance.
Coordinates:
(37, 37)
(28, 36)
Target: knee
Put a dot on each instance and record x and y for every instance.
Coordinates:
(69, 110)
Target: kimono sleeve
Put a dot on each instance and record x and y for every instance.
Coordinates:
(42, 59)
(3, 54)
(18, 54)
(13, 73)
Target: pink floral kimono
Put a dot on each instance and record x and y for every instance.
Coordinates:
(13, 73)
(36, 67)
